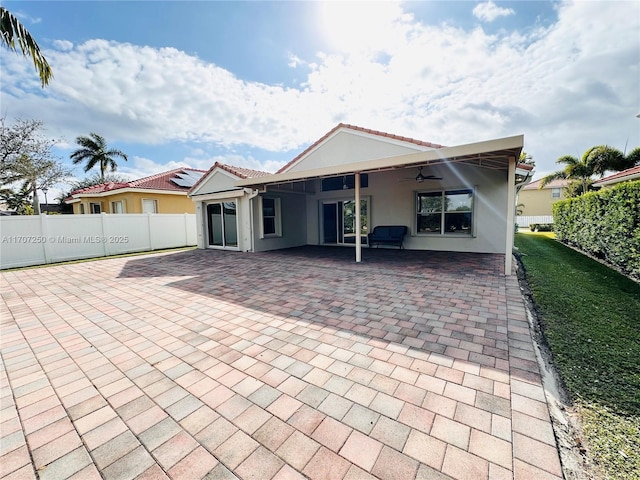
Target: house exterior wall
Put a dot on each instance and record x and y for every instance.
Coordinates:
(347, 148)
(392, 201)
(538, 201)
(167, 203)
(293, 219)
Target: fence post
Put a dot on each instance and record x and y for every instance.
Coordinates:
(186, 229)
(150, 231)
(104, 237)
(44, 233)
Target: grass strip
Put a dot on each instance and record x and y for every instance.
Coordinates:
(590, 316)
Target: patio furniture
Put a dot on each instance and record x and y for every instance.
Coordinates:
(388, 235)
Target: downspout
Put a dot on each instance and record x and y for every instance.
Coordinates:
(511, 200)
(252, 194)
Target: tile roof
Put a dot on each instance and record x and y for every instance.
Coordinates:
(159, 181)
(240, 172)
(620, 176)
(535, 185)
(358, 129)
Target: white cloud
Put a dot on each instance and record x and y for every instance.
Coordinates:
(489, 11)
(566, 87)
(63, 45)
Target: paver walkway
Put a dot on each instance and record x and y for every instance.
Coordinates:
(283, 365)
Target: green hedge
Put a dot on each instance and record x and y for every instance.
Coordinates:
(605, 224)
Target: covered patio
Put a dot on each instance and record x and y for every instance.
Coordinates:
(284, 364)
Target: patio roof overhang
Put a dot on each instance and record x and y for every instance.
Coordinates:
(492, 154)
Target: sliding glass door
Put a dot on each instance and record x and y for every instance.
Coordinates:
(339, 222)
(222, 224)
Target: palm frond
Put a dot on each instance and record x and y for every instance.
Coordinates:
(10, 30)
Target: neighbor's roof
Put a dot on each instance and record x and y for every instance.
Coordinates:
(240, 172)
(535, 185)
(358, 129)
(159, 181)
(632, 173)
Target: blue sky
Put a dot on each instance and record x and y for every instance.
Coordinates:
(253, 83)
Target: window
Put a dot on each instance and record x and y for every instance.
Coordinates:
(345, 182)
(81, 209)
(445, 212)
(271, 225)
(555, 193)
(95, 207)
(117, 207)
(149, 206)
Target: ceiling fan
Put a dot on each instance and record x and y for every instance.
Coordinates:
(421, 177)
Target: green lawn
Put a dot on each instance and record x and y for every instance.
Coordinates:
(591, 320)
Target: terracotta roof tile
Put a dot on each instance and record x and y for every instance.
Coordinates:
(359, 129)
(535, 185)
(624, 173)
(159, 181)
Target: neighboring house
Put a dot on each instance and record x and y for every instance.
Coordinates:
(538, 201)
(627, 175)
(161, 193)
(458, 198)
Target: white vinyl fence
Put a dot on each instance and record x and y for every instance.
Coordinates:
(524, 221)
(36, 240)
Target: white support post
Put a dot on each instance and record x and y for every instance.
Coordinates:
(357, 219)
(511, 206)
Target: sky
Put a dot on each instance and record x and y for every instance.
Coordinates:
(252, 84)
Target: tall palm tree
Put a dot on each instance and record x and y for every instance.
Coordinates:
(595, 161)
(10, 31)
(95, 152)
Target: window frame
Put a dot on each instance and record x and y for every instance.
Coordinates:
(277, 217)
(556, 193)
(92, 209)
(443, 213)
(114, 203)
(155, 204)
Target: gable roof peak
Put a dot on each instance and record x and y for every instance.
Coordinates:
(347, 126)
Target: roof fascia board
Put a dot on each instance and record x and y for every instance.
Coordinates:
(235, 193)
(118, 191)
(625, 178)
(427, 156)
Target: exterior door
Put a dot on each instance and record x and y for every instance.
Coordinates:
(338, 222)
(222, 225)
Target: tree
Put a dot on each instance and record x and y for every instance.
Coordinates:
(595, 161)
(38, 173)
(17, 200)
(26, 156)
(11, 30)
(94, 152)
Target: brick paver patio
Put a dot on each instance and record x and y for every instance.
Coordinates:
(282, 365)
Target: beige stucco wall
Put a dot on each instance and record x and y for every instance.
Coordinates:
(538, 201)
(349, 147)
(167, 203)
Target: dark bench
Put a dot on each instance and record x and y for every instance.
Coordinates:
(388, 235)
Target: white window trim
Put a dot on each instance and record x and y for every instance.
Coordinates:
(443, 233)
(121, 202)
(278, 219)
(91, 204)
(155, 202)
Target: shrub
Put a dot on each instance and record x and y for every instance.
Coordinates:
(541, 227)
(605, 224)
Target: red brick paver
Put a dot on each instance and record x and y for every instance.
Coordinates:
(280, 365)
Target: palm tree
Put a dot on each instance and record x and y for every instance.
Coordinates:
(595, 161)
(95, 152)
(10, 31)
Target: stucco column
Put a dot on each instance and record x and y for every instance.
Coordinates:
(511, 206)
(357, 219)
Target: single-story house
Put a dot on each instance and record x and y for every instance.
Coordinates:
(627, 175)
(161, 193)
(335, 192)
(538, 201)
